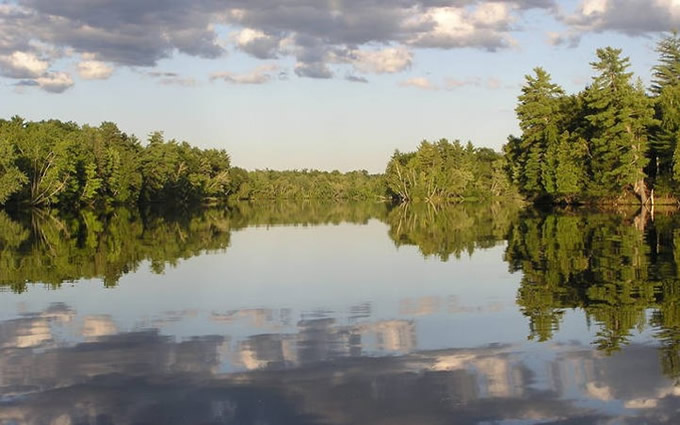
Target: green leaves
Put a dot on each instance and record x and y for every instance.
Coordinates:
(591, 145)
(52, 163)
(12, 180)
(444, 171)
(535, 153)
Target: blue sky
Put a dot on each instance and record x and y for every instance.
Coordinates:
(330, 84)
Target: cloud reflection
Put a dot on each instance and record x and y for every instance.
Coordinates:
(325, 373)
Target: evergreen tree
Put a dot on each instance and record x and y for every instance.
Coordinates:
(666, 90)
(620, 115)
(667, 71)
(570, 171)
(538, 115)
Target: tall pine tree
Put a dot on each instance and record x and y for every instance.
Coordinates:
(620, 114)
(538, 116)
(666, 90)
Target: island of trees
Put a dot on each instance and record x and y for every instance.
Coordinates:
(613, 142)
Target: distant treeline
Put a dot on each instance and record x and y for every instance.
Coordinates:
(614, 141)
(67, 166)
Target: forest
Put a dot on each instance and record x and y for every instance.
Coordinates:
(66, 166)
(614, 142)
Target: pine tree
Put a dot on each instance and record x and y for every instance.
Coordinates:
(571, 175)
(667, 71)
(620, 115)
(666, 90)
(538, 115)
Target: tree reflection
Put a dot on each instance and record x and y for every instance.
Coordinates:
(621, 269)
(49, 248)
(53, 249)
(452, 230)
(624, 276)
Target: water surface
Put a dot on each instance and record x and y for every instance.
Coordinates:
(304, 313)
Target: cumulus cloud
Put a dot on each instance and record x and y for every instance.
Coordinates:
(382, 61)
(623, 16)
(94, 70)
(369, 36)
(55, 82)
(485, 27)
(257, 43)
(22, 65)
(260, 75)
(313, 70)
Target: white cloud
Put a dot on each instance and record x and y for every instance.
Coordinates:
(22, 65)
(592, 7)
(94, 70)
(623, 16)
(452, 27)
(257, 43)
(388, 60)
(55, 82)
(494, 13)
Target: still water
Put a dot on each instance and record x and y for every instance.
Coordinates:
(303, 313)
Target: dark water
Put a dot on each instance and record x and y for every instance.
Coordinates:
(306, 313)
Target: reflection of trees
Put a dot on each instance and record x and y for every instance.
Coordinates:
(52, 249)
(305, 213)
(454, 229)
(605, 265)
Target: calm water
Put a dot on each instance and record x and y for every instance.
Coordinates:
(340, 314)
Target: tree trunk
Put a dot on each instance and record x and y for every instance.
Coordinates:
(641, 191)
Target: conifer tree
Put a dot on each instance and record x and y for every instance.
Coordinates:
(620, 115)
(571, 166)
(666, 90)
(537, 114)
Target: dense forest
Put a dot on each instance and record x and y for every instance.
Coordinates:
(614, 141)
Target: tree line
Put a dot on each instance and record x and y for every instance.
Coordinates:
(61, 164)
(615, 141)
(66, 166)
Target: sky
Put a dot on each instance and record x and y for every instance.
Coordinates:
(293, 84)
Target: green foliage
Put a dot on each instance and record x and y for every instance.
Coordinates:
(664, 134)
(305, 184)
(604, 264)
(446, 171)
(56, 164)
(620, 115)
(448, 230)
(12, 180)
(592, 145)
(538, 119)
